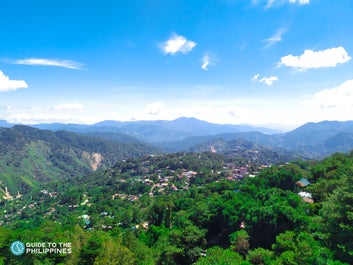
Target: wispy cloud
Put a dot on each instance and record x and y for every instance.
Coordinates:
(207, 60)
(68, 107)
(265, 80)
(177, 44)
(300, 2)
(270, 3)
(51, 62)
(277, 37)
(6, 84)
(316, 59)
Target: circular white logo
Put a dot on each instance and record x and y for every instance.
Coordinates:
(17, 248)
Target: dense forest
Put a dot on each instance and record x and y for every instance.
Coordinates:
(190, 209)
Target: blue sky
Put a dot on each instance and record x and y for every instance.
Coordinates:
(225, 61)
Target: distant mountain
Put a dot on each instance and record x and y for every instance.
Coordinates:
(30, 155)
(124, 138)
(190, 142)
(249, 151)
(312, 140)
(5, 124)
(340, 142)
(160, 130)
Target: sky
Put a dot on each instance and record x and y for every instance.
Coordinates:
(261, 62)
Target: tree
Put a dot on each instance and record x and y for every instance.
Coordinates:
(92, 248)
(240, 242)
(219, 256)
(337, 218)
(260, 256)
(114, 253)
(292, 249)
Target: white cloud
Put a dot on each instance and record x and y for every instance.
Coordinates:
(337, 97)
(37, 118)
(177, 44)
(270, 3)
(330, 104)
(240, 113)
(316, 59)
(277, 37)
(255, 78)
(205, 62)
(265, 80)
(51, 62)
(68, 107)
(300, 2)
(7, 85)
(155, 108)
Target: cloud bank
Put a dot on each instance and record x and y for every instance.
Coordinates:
(68, 107)
(316, 59)
(155, 108)
(6, 84)
(337, 97)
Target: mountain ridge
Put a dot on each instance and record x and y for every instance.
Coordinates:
(30, 155)
(311, 140)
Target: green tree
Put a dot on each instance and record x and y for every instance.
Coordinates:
(260, 256)
(114, 253)
(337, 220)
(240, 242)
(219, 256)
(293, 249)
(93, 247)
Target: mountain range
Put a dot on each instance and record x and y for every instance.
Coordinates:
(48, 152)
(311, 140)
(154, 131)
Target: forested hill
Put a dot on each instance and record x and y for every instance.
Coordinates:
(191, 209)
(249, 151)
(29, 155)
(311, 140)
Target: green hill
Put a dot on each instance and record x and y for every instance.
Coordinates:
(185, 209)
(30, 156)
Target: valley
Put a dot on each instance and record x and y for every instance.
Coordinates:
(221, 197)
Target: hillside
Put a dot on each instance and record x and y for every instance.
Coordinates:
(30, 156)
(311, 141)
(159, 130)
(191, 209)
(249, 151)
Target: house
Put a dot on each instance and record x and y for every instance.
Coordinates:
(302, 183)
(306, 196)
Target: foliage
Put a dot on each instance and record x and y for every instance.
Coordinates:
(116, 216)
(30, 155)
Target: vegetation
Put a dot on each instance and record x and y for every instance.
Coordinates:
(116, 216)
(182, 208)
(31, 156)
